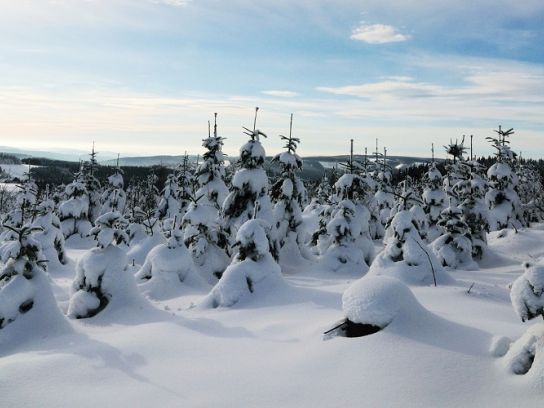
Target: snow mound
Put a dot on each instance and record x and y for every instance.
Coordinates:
(499, 346)
(43, 320)
(103, 284)
(378, 301)
(526, 355)
(406, 257)
(139, 250)
(417, 269)
(252, 271)
(167, 270)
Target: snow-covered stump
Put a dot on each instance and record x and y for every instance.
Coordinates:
(27, 306)
(252, 271)
(167, 269)
(345, 255)
(372, 303)
(406, 257)
(102, 277)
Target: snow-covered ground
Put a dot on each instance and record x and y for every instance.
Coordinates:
(16, 170)
(8, 186)
(269, 351)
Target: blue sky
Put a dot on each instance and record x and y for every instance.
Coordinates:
(144, 76)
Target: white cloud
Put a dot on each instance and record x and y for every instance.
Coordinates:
(281, 94)
(174, 3)
(377, 34)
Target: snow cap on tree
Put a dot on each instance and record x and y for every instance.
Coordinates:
(109, 229)
(527, 293)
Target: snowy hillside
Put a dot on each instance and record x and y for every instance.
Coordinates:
(270, 351)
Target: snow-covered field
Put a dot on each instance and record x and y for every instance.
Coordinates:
(269, 351)
(16, 170)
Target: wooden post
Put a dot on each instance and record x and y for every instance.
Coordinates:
(351, 157)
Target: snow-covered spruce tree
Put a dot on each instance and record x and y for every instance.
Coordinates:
(49, 233)
(114, 197)
(526, 355)
(454, 247)
(252, 271)
(92, 185)
(144, 228)
(210, 174)
(73, 213)
(317, 213)
(185, 184)
(169, 206)
(146, 212)
(344, 229)
(320, 240)
(101, 273)
(475, 214)
(531, 192)
(408, 200)
(405, 256)
(384, 197)
(502, 199)
(203, 236)
(288, 194)
(168, 267)
(324, 191)
(249, 192)
(527, 293)
(355, 188)
(434, 200)
(203, 233)
(20, 214)
(376, 174)
(25, 293)
(456, 170)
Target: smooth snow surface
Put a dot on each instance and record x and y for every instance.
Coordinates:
(269, 352)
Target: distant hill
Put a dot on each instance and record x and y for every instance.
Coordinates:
(60, 154)
(147, 161)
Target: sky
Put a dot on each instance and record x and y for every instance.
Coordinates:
(143, 77)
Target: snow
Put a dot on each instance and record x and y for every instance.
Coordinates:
(272, 354)
(378, 301)
(527, 293)
(251, 272)
(168, 270)
(526, 356)
(16, 170)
